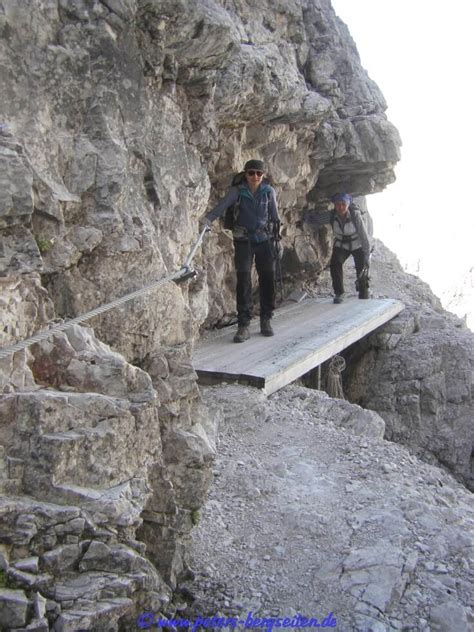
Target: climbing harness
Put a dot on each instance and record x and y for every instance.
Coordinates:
(185, 272)
(334, 381)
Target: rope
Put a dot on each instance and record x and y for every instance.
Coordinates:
(334, 384)
(184, 272)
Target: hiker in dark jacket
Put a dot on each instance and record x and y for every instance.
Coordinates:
(256, 206)
(350, 238)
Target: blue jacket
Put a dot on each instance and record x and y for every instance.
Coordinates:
(254, 211)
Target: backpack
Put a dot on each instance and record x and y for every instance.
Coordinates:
(231, 213)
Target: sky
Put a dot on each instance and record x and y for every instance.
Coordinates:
(421, 55)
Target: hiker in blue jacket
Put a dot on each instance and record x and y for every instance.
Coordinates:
(350, 238)
(255, 206)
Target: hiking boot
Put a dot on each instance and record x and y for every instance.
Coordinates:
(266, 327)
(242, 334)
(338, 298)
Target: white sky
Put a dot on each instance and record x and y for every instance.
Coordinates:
(421, 54)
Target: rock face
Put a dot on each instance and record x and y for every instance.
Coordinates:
(130, 109)
(301, 101)
(416, 372)
(123, 121)
(83, 470)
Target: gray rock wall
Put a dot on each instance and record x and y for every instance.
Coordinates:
(417, 372)
(122, 121)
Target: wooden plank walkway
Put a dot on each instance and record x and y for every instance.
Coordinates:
(306, 335)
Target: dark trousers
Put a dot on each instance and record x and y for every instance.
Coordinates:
(339, 255)
(245, 253)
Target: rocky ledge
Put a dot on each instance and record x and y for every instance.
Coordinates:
(123, 120)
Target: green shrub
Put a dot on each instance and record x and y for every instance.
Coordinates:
(44, 243)
(195, 517)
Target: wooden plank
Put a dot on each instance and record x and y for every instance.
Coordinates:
(325, 347)
(307, 334)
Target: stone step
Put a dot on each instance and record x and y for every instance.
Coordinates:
(120, 505)
(85, 457)
(101, 613)
(44, 411)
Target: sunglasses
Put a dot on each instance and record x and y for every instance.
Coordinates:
(252, 172)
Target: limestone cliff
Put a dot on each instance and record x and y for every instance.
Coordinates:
(416, 372)
(122, 121)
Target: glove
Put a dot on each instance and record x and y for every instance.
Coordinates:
(204, 223)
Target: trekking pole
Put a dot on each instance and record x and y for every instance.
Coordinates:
(276, 239)
(280, 277)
